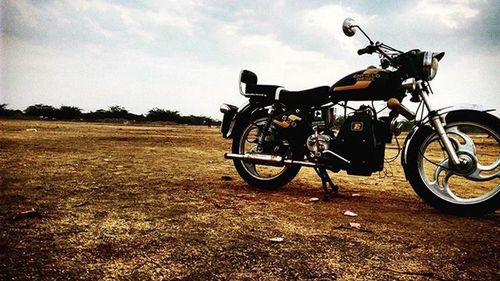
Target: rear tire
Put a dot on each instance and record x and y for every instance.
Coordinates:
(248, 172)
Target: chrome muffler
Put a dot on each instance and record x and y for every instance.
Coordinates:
(270, 160)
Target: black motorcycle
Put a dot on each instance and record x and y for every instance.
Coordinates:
(451, 156)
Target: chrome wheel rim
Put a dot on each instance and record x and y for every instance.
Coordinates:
(248, 145)
(473, 183)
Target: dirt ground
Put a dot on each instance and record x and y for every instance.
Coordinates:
(160, 203)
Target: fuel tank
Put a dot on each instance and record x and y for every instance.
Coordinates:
(368, 84)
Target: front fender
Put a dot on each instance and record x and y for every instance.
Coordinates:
(426, 128)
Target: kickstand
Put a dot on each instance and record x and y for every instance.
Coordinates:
(325, 181)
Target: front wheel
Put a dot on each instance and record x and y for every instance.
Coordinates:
(470, 189)
(261, 176)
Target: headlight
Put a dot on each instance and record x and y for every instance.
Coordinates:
(429, 66)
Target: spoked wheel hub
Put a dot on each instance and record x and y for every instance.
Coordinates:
(467, 166)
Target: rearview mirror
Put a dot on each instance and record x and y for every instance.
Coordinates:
(349, 27)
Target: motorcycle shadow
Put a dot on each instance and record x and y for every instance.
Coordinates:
(299, 190)
(384, 203)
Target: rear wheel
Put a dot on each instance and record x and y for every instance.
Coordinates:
(245, 141)
(471, 189)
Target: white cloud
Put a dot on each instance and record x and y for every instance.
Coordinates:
(452, 13)
(326, 21)
(186, 55)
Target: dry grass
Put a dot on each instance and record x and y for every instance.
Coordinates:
(139, 203)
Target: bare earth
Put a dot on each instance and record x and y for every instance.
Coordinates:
(154, 203)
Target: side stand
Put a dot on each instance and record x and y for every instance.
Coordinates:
(325, 181)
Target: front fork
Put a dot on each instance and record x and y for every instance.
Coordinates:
(437, 123)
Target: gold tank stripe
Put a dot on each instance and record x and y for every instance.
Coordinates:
(359, 84)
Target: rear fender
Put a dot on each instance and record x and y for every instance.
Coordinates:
(242, 116)
(425, 128)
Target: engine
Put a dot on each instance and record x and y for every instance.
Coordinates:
(318, 143)
(321, 120)
(358, 147)
(362, 139)
(304, 126)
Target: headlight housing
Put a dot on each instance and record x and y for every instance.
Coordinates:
(429, 66)
(429, 62)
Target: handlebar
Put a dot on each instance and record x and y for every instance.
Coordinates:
(388, 55)
(367, 50)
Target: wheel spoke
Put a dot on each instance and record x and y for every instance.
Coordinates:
(468, 146)
(444, 188)
(253, 149)
(476, 175)
(443, 166)
(490, 167)
(446, 191)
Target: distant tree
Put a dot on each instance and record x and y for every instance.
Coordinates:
(158, 114)
(94, 115)
(117, 111)
(68, 112)
(5, 112)
(41, 110)
(198, 120)
(113, 112)
(65, 112)
(407, 125)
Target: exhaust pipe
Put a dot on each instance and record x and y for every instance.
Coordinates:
(271, 160)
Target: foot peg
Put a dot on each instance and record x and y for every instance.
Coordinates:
(325, 181)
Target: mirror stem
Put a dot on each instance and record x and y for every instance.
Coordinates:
(369, 39)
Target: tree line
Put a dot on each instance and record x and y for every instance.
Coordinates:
(115, 112)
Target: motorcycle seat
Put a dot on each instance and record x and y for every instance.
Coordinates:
(314, 96)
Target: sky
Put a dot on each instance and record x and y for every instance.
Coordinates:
(187, 55)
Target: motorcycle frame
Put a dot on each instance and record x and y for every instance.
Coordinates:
(435, 118)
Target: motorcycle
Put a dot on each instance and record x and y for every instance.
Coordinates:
(450, 156)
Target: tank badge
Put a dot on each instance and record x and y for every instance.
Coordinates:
(362, 80)
(357, 126)
(366, 76)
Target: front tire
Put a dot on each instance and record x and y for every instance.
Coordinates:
(469, 193)
(260, 176)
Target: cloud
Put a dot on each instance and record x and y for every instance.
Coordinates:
(186, 55)
(452, 13)
(326, 21)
